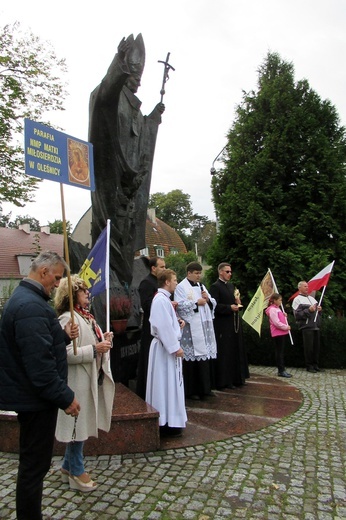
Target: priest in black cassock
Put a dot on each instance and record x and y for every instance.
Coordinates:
(230, 366)
(147, 290)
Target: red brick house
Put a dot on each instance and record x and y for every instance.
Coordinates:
(160, 239)
(18, 247)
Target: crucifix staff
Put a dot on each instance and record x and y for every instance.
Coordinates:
(166, 70)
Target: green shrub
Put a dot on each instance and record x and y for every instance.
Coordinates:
(332, 355)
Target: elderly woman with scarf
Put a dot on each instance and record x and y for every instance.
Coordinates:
(90, 377)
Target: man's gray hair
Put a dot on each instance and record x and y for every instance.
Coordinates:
(301, 283)
(48, 259)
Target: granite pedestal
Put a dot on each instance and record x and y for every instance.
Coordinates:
(134, 429)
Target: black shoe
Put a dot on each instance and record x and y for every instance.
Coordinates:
(317, 369)
(284, 374)
(312, 370)
(211, 394)
(170, 431)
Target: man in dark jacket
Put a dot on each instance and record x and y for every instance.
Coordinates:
(33, 376)
(147, 289)
(307, 313)
(230, 366)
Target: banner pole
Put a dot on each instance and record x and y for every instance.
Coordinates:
(282, 307)
(67, 259)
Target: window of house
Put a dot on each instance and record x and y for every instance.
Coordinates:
(24, 263)
(159, 251)
(144, 252)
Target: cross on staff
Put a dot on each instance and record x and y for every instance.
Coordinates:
(166, 70)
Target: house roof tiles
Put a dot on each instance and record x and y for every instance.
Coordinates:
(157, 233)
(16, 242)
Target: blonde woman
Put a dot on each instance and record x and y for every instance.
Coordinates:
(89, 375)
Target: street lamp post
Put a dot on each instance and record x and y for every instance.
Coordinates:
(213, 169)
(213, 172)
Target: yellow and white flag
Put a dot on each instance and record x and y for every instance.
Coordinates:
(253, 314)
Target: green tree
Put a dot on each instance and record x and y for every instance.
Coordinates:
(174, 208)
(30, 86)
(26, 219)
(4, 219)
(179, 262)
(57, 227)
(281, 197)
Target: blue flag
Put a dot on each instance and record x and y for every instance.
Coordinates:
(95, 270)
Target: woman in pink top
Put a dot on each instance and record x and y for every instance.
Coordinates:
(278, 329)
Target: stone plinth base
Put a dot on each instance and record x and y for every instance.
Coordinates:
(134, 429)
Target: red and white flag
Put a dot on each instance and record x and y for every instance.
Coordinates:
(321, 279)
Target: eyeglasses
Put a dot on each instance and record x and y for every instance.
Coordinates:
(227, 272)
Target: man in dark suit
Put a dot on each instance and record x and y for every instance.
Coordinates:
(147, 290)
(230, 366)
(33, 375)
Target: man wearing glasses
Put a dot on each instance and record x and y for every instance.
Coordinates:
(230, 366)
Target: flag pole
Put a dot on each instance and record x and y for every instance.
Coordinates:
(108, 326)
(319, 303)
(282, 307)
(67, 258)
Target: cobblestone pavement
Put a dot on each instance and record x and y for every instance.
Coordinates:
(294, 470)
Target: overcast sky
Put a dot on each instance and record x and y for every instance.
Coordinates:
(216, 48)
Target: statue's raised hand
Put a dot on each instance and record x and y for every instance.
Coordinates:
(160, 107)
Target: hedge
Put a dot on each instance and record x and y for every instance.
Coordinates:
(261, 351)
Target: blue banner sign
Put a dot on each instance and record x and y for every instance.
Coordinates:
(53, 155)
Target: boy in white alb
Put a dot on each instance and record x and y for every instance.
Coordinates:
(165, 386)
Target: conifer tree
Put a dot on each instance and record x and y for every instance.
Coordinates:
(281, 197)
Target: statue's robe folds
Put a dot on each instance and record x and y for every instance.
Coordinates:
(124, 144)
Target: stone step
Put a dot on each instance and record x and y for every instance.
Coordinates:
(134, 429)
